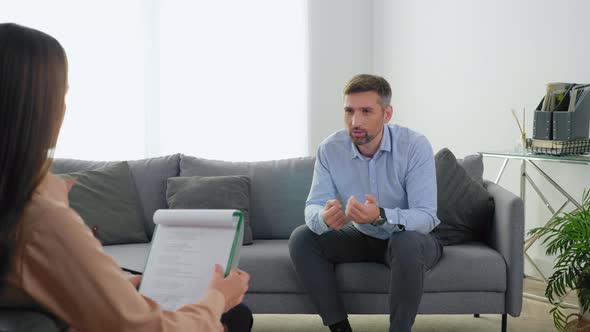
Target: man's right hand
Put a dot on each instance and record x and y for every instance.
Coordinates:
(333, 215)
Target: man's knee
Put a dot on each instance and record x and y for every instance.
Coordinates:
(405, 246)
(301, 239)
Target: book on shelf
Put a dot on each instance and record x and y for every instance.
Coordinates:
(577, 94)
(554, 95)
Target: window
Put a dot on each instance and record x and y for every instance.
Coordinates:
(232, 79)
(214, 79)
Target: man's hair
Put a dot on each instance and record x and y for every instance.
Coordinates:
(366, 82)
(33, 84)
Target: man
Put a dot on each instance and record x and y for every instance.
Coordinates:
(381, 178)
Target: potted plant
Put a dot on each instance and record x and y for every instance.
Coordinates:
(568, 237)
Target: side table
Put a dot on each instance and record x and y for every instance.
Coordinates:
(531, 160)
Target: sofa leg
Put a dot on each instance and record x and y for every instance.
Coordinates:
(476, 315)
(504, 318)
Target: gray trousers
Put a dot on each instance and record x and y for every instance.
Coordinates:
(407, 254)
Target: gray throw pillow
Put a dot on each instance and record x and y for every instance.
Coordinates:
(465, 208)
(107, 200)
(212, 192)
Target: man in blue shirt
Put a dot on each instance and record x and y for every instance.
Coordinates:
(373, 198)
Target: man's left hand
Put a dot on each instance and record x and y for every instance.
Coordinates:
(362, 213)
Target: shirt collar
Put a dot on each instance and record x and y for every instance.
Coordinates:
(385, 144)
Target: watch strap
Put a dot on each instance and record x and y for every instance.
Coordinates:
(381, 219)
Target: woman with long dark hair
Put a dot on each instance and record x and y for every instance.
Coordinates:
(48, 257)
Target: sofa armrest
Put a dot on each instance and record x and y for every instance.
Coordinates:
(507, 237)
(13, 320)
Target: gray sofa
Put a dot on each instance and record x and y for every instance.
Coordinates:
(472, 278)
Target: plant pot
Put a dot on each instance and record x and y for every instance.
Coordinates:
(578, 323)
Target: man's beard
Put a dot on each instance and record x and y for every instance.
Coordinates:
(361, 140)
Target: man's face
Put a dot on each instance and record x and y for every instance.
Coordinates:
(364, 117)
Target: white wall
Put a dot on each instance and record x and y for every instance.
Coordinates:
(340, 35)
(456, 65)
(456, 68)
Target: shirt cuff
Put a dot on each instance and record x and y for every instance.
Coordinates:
(314, 220)
(323, 227)
(394, 224)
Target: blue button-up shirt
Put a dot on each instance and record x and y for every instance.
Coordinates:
(401, 175)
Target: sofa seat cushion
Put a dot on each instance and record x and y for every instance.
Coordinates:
(269, 265)
(130, 256)
(463, 268)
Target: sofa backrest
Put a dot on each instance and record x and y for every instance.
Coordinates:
(278, 190)
(149, 175)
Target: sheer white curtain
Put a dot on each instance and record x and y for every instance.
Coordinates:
(215, 79)
(105, 113)
(232, 77)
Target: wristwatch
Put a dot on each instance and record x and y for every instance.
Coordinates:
(382, 219)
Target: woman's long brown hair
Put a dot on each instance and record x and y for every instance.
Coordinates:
(33, 84)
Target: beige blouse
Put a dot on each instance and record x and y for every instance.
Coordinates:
(61, 266)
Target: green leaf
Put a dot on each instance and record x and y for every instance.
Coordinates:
(567, 236)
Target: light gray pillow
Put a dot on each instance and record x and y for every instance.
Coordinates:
(212, 192)
(278, 190)
(107, 200)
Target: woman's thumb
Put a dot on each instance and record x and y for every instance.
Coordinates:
(218, 270)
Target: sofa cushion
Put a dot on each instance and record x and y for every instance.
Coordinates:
(473, 165)
(107, 201)
(462, 268)
(29, 321)
(278, 190)
(131, 257)
(465, 208)
(212, 192)
(150, 177)
(469, 267)
(269, 264)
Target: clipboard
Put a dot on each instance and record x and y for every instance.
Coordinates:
(185, 247)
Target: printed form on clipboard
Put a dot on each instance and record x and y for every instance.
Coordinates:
(185, 247)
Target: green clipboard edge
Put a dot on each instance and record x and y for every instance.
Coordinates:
(234, 246)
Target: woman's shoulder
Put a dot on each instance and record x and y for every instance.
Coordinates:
(48, 216)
